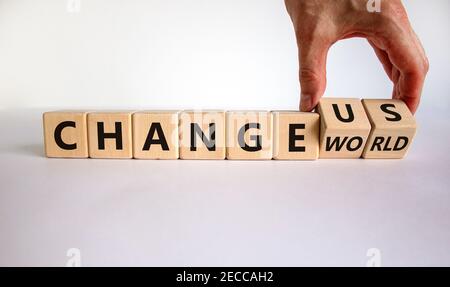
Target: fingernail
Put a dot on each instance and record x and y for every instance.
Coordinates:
(305, 102)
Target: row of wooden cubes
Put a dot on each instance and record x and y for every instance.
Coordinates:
(341, 128)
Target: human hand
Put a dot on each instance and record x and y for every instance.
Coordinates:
(319, 24)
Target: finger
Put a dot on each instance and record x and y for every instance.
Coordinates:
(313, 58)
(395, 91)
(395, 78)
(410, 89)
(407, 55)
(384, 59)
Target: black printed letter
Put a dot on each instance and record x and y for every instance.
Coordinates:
(241, 135)
(351, 116)
(293, 137)
(58, 138)
(210, 143)
(117, 135)
(155, 127)
(385, 108)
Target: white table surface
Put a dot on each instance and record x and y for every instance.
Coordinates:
(221, 213)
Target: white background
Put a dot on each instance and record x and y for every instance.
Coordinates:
(187, 54)
(207, 54)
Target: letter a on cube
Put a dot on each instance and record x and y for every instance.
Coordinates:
(155, 135)
(393, 128)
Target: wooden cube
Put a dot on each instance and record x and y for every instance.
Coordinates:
(110, 134)
(202, 134)
(65, 134)
(344, 128)
(155, 135)
(393, 128)
(296, 135)
(249, 135)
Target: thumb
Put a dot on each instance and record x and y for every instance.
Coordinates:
(313, 58)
